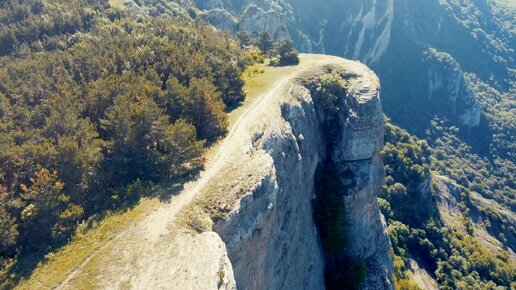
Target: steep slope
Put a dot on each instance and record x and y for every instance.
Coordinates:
(256, 194)
(438, 225)
(448, 75)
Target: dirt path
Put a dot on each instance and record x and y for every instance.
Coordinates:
(152, 236)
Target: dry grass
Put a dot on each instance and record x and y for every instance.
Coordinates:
(221, 194)
(83, 245)
(258, 78)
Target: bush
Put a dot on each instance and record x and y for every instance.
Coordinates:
(288, 55)
(329, 89)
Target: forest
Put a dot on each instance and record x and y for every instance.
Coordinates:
(96, 103)
(409, 202)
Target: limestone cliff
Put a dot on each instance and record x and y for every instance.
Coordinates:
(247, 222)
(254, 17)
(447, 86)
(268, 226)
(255, 20)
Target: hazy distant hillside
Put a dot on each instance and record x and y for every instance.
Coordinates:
(448, 73)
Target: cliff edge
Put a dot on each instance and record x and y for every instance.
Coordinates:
(262, 200)
(248, 222)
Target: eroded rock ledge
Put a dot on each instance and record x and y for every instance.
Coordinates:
(264, 216)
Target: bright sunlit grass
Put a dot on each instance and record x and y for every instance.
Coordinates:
(51, 273)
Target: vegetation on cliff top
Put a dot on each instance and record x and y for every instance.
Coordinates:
(95, 104)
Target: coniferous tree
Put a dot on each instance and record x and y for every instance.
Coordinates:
(288, 55)
(265, 43)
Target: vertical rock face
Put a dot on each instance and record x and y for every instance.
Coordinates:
(447, 86)
(361, 171)
(253, 17)
(221, 19)
(271, 236)
(255, 20)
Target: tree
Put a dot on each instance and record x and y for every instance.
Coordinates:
(329, 89)
(8, 231)
(47, 213)
(265, 43)
(244, 38)
(144, 144)
(8, 225)
(201, 105)
(182, 151)
(288, 55)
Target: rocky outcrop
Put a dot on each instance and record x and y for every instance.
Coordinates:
(270, 234)
(221, 19)
(253, 17)
(256, 20)
(361, 172)
(447, 86)
(209, 4)
(247, 222)
(391, 36)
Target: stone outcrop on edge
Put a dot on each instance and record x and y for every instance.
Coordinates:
(270, 235)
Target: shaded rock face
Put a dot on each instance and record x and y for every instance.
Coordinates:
(361, 171)
(255, 20)
(447, 86)
(363, 179)
(271, 237)
(221, 19)
(253, 17)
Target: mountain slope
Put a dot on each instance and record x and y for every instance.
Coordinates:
(448, 76)
(260, 201)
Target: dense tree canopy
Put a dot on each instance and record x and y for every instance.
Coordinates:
(408, 201)
(93, 99)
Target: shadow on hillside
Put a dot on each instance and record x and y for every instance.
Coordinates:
(29, 259)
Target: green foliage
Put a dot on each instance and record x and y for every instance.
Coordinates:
(40, 25)
(407, 169)
(144, 144)
(330, 87)
(415, 228)
(244, 38)
(265, 43)
(493, 179)
(46, 213)
(253, 57)
(202, 106)
(8, 227)
(287, 54)
(110, 101)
